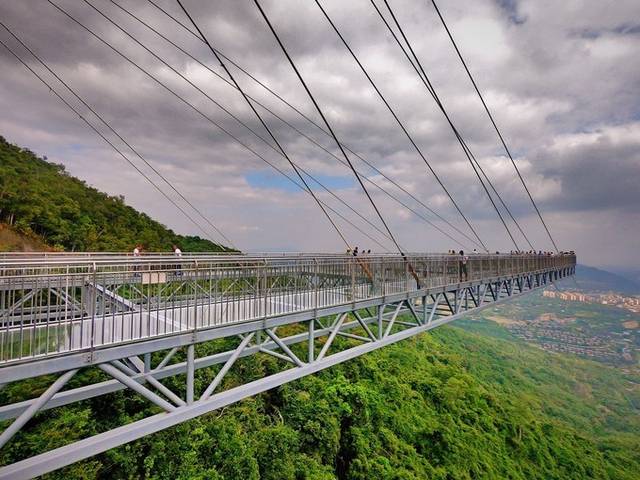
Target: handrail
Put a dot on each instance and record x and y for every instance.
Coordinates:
(69, 304)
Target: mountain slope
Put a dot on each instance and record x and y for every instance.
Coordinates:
(595, 279)
(40, 199)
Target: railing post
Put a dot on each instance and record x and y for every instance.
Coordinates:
(94, 306)
(195, 298)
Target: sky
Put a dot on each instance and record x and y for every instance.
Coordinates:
(562, 80)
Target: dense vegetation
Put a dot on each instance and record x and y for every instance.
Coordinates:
(446, 405)
(38, 198)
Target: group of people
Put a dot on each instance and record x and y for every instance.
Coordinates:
(137, 253)
(138, 249)
(355, 252)
(540, 253)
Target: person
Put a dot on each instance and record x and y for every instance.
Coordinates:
(463, 265)
(355, 252)
(349, 251)
(137, 252)
(178, 253)
(369, 252)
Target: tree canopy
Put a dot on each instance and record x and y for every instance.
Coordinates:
(40, 198)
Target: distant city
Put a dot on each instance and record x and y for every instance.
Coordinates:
(628, 303)
(601, 326)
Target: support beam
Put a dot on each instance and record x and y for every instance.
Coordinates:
(136, 387)
(82, 449)
(393, 319)
(139, 364)
(364, 325)
(332, 336)
(190, 372)
(226, 367)
(167, 358)
(311, 346)
(28, 414)
(284, 347)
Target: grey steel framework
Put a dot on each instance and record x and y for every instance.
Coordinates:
(62, 313)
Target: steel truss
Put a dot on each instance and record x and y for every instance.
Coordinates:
(368, 325)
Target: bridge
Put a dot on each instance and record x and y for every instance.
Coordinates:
(138, 320)
(91, 324)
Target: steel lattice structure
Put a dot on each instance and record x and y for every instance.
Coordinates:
(62, 313)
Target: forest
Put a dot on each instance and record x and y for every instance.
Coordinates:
(40, 199)
(445, 405)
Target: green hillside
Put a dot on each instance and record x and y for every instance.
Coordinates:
(445, 405)
(39, 199)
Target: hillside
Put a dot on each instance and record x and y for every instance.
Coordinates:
(594, 279)
(13, 241)
(445, 405)
(46, 206)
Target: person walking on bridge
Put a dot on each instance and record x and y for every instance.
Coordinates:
(178, 253)
(137, 252)
(463, 266)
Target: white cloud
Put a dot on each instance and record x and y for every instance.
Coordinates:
(561, 77)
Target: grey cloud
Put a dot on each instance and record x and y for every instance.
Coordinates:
(544, 82)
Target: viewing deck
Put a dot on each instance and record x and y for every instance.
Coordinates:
(57, 303)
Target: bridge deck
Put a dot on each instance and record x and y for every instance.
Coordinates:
(56, 304)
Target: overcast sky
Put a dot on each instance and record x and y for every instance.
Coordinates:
(562, 79)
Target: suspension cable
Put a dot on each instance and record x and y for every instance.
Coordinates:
(340, 146)
(307, 118)
(264, 124)
(104, 122)
(92, 127)
(465, 148)
(461, 140)
(495, 126)
(396, 199)
(324, 119)
(182, 99)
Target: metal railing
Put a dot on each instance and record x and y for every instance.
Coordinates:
(54, 305)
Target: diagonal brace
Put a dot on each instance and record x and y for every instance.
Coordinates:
(364, 325)
(332, 336)
(19, 422)
(225, 368)
(393, 318)
(284, 347)
(136, 387)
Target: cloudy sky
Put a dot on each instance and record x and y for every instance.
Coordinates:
(562, 79)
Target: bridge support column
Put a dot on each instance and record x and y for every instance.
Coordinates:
(312, 339)
(190, 372)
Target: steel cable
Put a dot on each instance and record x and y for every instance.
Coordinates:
(104, 122)
(90, 125)
(182, 99)
(493, 122)
(307, 118)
